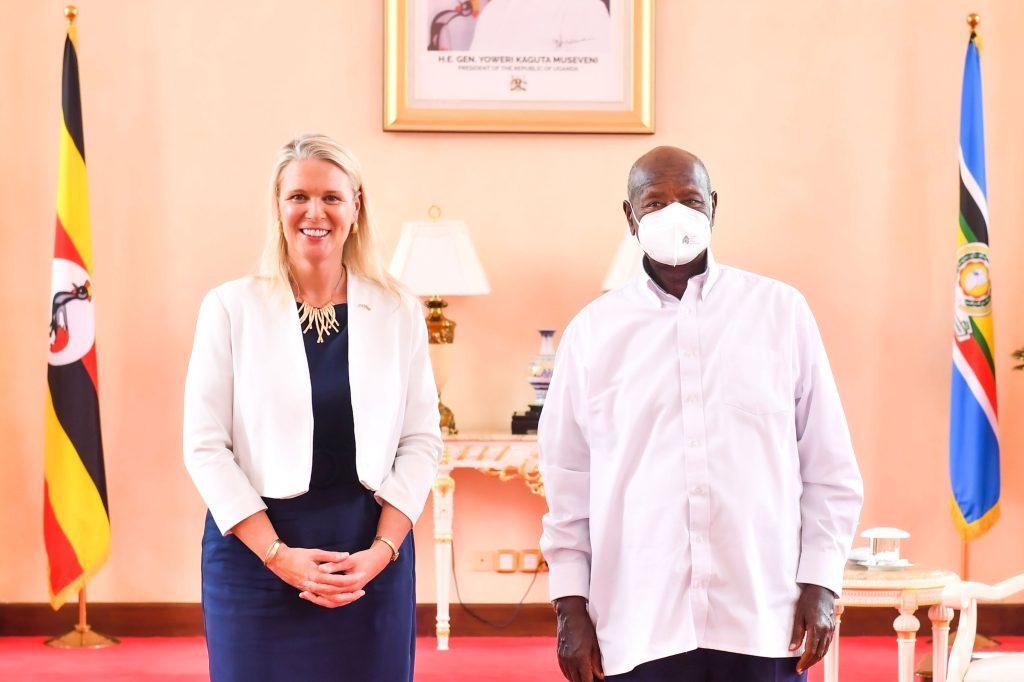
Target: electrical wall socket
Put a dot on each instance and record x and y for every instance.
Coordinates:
(531, 561)
(483, 561)
(507, 560)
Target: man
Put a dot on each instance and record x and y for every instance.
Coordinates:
(542, 26)
(701, 483)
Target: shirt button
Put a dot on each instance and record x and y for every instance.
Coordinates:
(699, 490)
(694, 442)
(687, 353)
(698, 539)
(691, 399)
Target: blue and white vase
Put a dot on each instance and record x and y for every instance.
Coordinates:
(541, 367)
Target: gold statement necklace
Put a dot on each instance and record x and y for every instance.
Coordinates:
(323, 317)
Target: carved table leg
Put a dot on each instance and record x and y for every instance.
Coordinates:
(906, 626)
(940, 616)
(444, 489)
(832, 655)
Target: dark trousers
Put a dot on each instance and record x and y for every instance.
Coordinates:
(709, 665)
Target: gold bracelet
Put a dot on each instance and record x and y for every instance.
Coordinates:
(272, 551)
(394, 550)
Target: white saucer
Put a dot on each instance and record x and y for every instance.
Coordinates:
(884, 566)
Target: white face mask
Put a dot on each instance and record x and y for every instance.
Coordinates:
(674, 235)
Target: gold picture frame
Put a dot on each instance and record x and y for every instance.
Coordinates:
(464, 88)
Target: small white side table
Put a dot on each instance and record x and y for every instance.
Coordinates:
(505, 456)
(903, 589)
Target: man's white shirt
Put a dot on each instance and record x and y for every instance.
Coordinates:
(697, 466)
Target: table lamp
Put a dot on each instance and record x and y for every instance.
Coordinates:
(627, 263)
(436, 258)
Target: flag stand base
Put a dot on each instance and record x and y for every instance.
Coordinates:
(980, 641)
(924, 666)
(82, 637)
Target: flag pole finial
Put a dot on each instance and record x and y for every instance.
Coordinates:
(71, 13)
(973, 19)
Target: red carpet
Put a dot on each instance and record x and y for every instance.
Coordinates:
(472, 659)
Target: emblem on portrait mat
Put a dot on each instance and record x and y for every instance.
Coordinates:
(517, 84)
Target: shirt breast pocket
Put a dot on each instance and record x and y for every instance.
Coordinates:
(758, 380)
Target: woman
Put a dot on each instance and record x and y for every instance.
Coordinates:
(311, 431)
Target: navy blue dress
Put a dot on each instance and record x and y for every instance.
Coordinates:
(257, 627)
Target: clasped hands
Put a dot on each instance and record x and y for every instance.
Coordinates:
(329, 579)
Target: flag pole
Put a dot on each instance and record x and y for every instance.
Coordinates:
(82, 636)
(924, 666)
(973, 19)
(980, 640)
(82, 622)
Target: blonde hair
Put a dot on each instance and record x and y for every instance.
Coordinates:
(361, 254)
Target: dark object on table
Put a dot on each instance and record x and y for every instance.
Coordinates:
(526, 422)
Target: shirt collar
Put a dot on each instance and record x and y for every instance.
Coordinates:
(653, 293)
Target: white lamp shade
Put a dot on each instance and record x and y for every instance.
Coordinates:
(627, 264)
(437, 258)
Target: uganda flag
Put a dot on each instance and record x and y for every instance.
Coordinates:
(973, 421)
(76, 523)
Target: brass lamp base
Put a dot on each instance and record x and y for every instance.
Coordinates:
(82, 637)
(447, 418)
(441, 334)
(439, 328)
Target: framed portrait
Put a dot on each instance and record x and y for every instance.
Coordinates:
(567, 66)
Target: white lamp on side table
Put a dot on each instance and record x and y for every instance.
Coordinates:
(627, 263)
(436, 258)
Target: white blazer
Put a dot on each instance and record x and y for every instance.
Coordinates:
(249, 409)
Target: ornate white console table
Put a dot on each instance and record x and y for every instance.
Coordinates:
(903, 589)
(505, 456)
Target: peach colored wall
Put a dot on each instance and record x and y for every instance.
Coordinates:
(829, 128)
